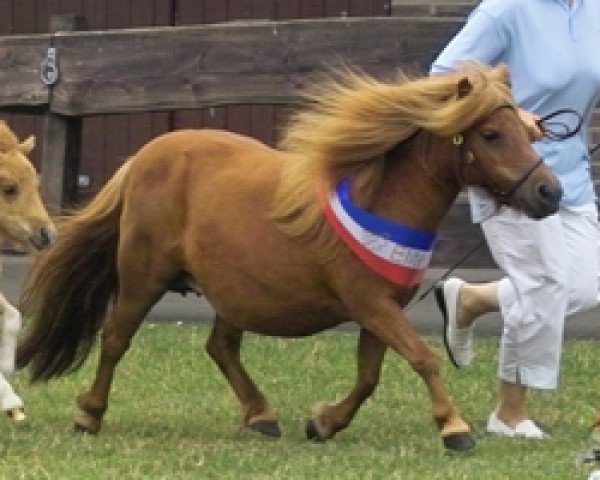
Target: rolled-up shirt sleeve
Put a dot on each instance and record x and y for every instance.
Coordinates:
(483, 38)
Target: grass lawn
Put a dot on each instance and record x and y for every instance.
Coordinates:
(172, 416)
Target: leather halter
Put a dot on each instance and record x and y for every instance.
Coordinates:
(555, 126)
(469, 158)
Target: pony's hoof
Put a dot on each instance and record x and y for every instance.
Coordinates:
(459, 442)
(312, 433)
(79, 428)
(270, 428)
(17, 414)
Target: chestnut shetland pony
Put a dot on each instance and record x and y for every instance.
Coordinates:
(244, 224)
(24, 221)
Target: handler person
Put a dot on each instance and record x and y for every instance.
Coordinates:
(551, 266)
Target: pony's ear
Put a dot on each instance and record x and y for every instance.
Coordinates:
(464, 87)
(27, 145)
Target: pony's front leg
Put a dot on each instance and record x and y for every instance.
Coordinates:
(328, 419)
(392, 327)
(223, 346)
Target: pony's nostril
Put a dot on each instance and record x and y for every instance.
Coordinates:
(43, 239)
(550, 193)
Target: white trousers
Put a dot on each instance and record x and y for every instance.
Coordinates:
(551, 269)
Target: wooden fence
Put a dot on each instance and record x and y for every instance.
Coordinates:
(168, 68)
(68, 75)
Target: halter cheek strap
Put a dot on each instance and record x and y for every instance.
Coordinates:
(397, 252)
(469, 158)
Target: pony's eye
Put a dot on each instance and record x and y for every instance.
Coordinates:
(491, 136)
(10, 191)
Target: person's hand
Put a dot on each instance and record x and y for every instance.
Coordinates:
(531, 120)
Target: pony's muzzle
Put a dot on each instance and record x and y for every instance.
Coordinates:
(546, 199)
(43, 237)
(550, 194)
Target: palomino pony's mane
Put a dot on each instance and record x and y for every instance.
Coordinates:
(349, 122)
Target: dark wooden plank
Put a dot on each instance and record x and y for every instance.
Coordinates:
(189, 12)
(338, 8)
(370, 8)
(118, 14)
(116, 143)
(20, 57)
(91, 165)
(117, 128)
(91, 162)
(6, 19)
(214, 117)
(95, 13)
(72, 7)
(161, 123)
(60, 160)
(23, 125)
(381, 7)
(61, 146)
(312, 9)
(238, 119)
(142, 14)
(361, 8)
(239, 9)
(139, 126)
(264, 9)
(287, 9)
(186, 119)
(214, 12)
(24, 18)
(262, 119)
(164, 13)
(236, 63)
(44, 11)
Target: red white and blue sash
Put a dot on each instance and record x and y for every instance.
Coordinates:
(397, 252)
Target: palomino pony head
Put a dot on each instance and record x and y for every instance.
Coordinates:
(23, 218)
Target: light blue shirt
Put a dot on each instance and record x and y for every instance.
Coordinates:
(553, 53)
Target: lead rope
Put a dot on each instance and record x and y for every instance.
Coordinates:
(554, 130)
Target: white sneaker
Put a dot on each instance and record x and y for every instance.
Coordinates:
(458, 341)
(525, 428)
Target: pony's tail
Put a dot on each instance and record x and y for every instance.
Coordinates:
(67, 291)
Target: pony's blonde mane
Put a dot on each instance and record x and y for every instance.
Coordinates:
(350, 121)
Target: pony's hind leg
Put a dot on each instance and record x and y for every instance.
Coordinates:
(117, 332)
(328, 419)
(223, 346)
(139, 289)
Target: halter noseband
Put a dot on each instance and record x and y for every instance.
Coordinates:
(504, 196)
(469, 158)
(551, 126)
